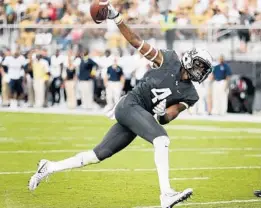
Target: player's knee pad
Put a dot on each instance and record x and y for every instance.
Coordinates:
(102, 154)
(87, 158)
(161, 142)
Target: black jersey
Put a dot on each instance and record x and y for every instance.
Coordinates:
(165, 83)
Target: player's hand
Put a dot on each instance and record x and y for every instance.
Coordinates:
(113, 13)
(160, 109)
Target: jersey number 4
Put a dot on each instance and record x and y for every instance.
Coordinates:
(160, 94)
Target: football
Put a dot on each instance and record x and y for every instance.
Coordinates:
(99, 10)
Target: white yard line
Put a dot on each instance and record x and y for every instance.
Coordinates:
(210, 203)
(59, 140)
(214, 153)
(212, 129)
(204, 168)
(7, 140)
(132, 150)
(253, 155)
(247, 137)
(141, 170)
(189, 179)
(183, 116)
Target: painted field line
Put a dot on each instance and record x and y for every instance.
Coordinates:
(204, 168)
(210, 203)
(196, 149)
(184, 137)
(215, 137)
(252, 155)
(189, 179)
(214, 153)
(213, 129)
(139, 170)
(132, 150)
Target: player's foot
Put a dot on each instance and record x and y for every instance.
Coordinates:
(168, 200)
(42, 172)
(257, 193)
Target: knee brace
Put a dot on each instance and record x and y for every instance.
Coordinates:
(161, 142)
(87, 158)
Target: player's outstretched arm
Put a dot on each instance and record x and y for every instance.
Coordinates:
(144, 48)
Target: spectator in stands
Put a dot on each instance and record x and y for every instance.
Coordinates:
(57, 61)
(86, 75)
(20, 8)
(2, 19)
(40, 73)
(5, 79)
(70, 80)
(15, 66)
(29, 80)
(167, 23)
(244, 34)
(114, 82)
(201, 7)
(47, 80)
(221, 76)
(1, 70)
(219, 17)
(129, 65)
(52, 11)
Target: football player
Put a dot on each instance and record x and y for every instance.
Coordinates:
(165, 91)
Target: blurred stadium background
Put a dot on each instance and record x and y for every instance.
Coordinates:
(54, 59)
(30, 28)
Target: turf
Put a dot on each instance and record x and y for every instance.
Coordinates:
(220, 160)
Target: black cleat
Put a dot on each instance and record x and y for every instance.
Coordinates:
(257, 193)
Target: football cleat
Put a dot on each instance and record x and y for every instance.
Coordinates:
(168, 200)
(42, 172)
(257, 193)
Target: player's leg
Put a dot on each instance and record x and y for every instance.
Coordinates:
(142, 123)
(115, 140)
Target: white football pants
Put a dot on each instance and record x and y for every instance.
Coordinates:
(220, 97)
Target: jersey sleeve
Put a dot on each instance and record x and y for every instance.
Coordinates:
(170, 60)
(191, 98)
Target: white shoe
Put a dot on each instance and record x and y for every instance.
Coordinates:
(168, 200)
(42, 172)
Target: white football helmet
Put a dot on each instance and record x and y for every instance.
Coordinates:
(198, 64)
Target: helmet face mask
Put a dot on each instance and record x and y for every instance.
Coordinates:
(198, 64)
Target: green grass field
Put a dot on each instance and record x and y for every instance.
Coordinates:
(221, 161)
